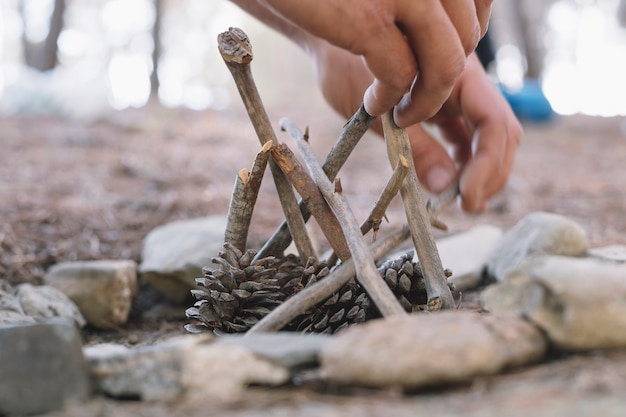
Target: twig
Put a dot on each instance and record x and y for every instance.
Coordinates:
(440, 202)
(312, 295)
(367, 275)
(375, 217)
(243, 199)
(235, 48)
(313, 199)
(352, 132)
(439, 295)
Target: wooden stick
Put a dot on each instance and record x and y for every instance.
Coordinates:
(439, 295)
(235, 48)
(375, 217)
(312, 197)
(367, 274)
(352, 132)
(440, 202)
(244, 198)
(313, 295)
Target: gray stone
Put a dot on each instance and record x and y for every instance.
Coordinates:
(11, 311)
(186, 365)
(466, 254)
(174, 254)
(43, 302)
(535, 235)
(580, 303)
(430, 349)
(103, 290)
(291, 350)
(41, 367)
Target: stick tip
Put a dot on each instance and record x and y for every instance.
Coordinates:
(234, 46)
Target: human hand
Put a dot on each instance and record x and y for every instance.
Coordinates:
(476, 122)
(415, 50)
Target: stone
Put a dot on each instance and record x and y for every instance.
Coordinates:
(103, 290)
(11, 311)
(189, 366)
(291, 350)
(536, 234)
(41, 367)
(466, 255)
(174, 254)
(44, 302)
(580, 303)
(428, 349)
(612, 253)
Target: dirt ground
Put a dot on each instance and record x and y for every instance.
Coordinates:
(80, 191)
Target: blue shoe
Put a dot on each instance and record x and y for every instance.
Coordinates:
(529, 103)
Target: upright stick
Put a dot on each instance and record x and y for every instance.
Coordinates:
(437, 289)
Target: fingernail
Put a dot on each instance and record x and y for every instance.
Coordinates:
(438, 178)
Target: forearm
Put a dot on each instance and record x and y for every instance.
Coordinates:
(277, 22)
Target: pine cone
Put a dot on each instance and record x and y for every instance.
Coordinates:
(236, 296)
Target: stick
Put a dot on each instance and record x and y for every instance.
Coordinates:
(243, 199)
(367, 275)
(235, 48)
(375, 217)
(352, 132)
(311, 296)
(312, 197)
(439, 295)
(439, 203)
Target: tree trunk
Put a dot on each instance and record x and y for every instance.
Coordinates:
(43, 55)
(156, 50)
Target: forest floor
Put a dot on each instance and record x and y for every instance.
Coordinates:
(93, 190)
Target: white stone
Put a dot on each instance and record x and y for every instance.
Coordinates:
(174, 254)
(579, 302)
(103, 290)
(428, 349)
(466, 254)
(536, 234)
(612, 253)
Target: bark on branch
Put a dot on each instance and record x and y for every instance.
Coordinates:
(245, 192)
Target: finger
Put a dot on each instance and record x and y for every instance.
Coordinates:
(433, 166)
(483, 12)
(441, 59)
(392, 63)
(463, 15)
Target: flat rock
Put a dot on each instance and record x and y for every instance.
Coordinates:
(466, 254)
(187, 365)
(41, 367)
(174, 254)
(44, 302)
(430, 349)
(291, 350)
(580, 303)
(612, 253)
(103, 290)
(536, 234)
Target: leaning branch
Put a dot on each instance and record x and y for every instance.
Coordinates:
(367, 273)
(235, 48)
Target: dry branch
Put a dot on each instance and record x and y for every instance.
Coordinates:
(243, 199)
(367, 275)
(352, 132)
(312, 197)
(439, 295)
(311, 296)
(375, 217)
(235, 48)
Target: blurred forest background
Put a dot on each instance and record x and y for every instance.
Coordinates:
(85, 58)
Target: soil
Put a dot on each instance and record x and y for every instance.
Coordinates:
(92, 190)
